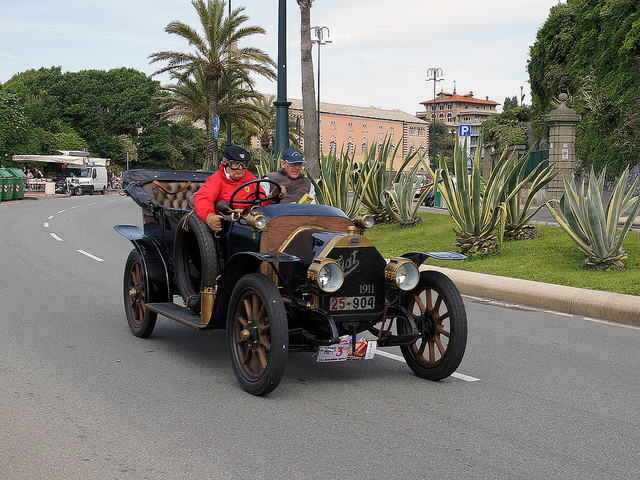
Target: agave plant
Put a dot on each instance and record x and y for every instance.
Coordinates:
(593, 228)
(517, 221)
(338, 180)
(477, 207)
(399, 201)
(375, 176)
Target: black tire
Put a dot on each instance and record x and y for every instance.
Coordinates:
(140, 319)
(257, 334)
(78, 191)
(104, 190)
(91, 190)
(196, 260)
(442, 320)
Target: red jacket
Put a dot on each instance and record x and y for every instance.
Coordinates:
(219, 187)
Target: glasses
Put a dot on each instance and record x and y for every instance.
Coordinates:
(235, 165)
(298, 164)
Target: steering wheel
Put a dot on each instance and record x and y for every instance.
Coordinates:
(259, 197)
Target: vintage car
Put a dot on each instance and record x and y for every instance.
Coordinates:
(282, 278)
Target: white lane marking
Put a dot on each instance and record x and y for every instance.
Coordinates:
(50, 217)
(56, 237)
(62, 211)
(75, 206)
(46, 224)
(398, 358)
(92, 203)
(107, 201)
(613, 324)
(97, 259)
(555, 312)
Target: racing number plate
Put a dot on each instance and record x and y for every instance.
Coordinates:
(363, 302)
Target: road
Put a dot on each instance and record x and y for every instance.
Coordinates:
(539, 394)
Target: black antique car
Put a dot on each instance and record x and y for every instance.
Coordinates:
(281, 278)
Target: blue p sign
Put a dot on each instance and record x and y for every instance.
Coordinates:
(465, 131)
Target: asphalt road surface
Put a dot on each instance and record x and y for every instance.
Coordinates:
(538, 395)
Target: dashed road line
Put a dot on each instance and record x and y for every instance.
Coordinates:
(50, 217)
(46, 224)
(56, 237)
(613, 324)
(61, 211)
(97, 259)
(398, 358)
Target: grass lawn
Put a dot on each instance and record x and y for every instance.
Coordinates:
(552, 257)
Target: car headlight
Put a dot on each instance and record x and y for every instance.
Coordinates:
(325, 274)
(402, 273)
(364, 221)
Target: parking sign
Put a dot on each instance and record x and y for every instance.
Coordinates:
(465, 131)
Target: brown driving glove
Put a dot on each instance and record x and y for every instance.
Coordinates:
(283, 192)
(215, 222)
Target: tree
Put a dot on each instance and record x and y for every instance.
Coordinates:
(507, 129)
(311, 140)
(590, 49)
(215, 52)
(510, 103)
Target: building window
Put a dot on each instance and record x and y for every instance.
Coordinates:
(320, 143)
(449, 117)
(391, 130)
(350, 145)
(364, 128)
(364, 146)
(412, 147)
(319, 123)
(379, 145)
(350, 127)
(442, 106)
(332, 144)
(380, 129)
(441, 117)
(420, 132)
(333, 125)
(421, 149)
(412, 131)
(392, 146)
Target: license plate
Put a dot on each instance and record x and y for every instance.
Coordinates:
(363, 302)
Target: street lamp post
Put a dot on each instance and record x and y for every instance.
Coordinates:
(229, 121)
(320, 40)
(435, 75)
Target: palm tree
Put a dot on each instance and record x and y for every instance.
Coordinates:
(311, 141)
(216, 52)
(188, 100)
(264, 130)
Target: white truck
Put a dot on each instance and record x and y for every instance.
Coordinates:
(90, 179)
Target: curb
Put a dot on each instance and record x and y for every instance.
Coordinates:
(579, 301)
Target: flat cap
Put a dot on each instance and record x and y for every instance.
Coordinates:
(233, 152)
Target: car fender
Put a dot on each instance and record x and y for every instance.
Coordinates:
(236, 267)
(153, 262)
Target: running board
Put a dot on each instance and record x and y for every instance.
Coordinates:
(177, 313)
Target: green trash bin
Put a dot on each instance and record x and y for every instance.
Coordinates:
(6, 185)
(20, 182)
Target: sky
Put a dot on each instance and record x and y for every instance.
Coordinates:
(379, 53)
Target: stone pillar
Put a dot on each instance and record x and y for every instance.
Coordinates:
(562, 140)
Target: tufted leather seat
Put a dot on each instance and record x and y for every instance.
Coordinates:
(172, 194)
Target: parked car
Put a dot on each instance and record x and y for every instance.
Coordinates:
(429, 199)
(283, 278)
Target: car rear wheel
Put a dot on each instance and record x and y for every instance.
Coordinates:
(141, 320)
(78, 191)
(441, 318)
(257, 334)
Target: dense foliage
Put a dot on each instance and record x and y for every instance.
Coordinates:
(109, 113)
(590, 49)
(507, 129)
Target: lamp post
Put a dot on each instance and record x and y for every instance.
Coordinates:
(282, 105)
(435, 75)
(320, 40)
(229, 121)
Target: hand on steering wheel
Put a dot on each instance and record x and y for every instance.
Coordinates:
(258, 197)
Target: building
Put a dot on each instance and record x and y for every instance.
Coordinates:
(456, 110)
(355, 129)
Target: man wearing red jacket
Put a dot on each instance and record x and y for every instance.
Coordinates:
(219, 186)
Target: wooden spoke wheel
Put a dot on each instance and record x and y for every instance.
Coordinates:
(141, 320)
(441, 318)
(257, 334)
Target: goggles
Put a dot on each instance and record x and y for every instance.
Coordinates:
(236, 164)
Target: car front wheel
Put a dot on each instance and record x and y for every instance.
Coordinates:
(441, 319)
(141, 320)
(257, 334)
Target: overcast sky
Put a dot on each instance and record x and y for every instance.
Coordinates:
(379, 54)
